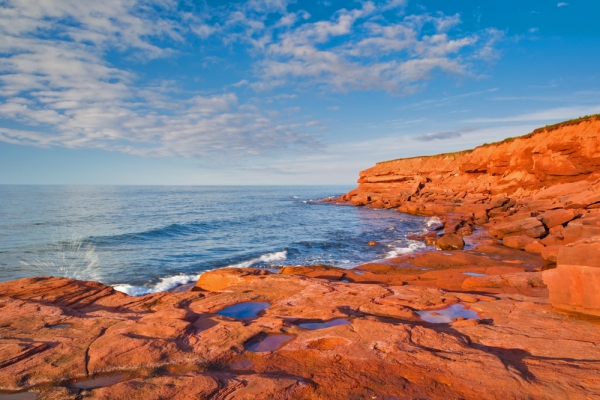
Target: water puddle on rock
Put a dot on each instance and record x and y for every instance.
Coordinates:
(244, 310)
(99, 382)
(474, 274)
(242, 365)
(59, 326)
(358, 272)
(266, 343)
(312, 325)
(448, 315)
(19, 396)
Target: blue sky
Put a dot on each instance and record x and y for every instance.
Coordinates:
(278, 92)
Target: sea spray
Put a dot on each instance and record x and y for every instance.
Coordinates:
(71, 258)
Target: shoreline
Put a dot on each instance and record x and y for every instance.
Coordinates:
(492, 320)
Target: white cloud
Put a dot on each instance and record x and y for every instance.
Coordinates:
(359, 49)
(56, 83)
(562, 4)
(553, 114)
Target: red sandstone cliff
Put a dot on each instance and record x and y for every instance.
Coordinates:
(539, 192)
(519, 167)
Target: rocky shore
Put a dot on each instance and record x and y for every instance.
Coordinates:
(507, 308)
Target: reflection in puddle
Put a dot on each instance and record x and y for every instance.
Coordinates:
(19, 396)
(358, 272)
(447, 315)
(60, 326)
(264, 343)
(326, 324)
(474, 274)
(244, 310)
(99, 382)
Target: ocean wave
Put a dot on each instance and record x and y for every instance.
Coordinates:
(172, 230)
(265, 258)
(433, 221)
(170, 282)
(396, 251)
(164, 285)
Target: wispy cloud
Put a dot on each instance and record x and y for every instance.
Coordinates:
(553, 114)
(359, 49)
(56, 83)
(428, 137)
(561, 4)
(59, 87)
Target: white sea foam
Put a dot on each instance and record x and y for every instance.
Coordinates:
(164, 285)
(433, 221)
(167, 283)
(403, 250)
(269, 257)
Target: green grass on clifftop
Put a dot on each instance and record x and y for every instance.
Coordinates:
(547, 128)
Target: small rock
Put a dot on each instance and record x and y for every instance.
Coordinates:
(550, 253)
(535, 247)
(374, 243)
(517, 241)
(450, 241)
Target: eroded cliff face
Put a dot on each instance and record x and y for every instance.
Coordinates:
(519, 168)
(539, 193)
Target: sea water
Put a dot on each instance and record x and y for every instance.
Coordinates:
(143, 239)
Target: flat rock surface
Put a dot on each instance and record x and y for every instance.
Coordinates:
(56, 334)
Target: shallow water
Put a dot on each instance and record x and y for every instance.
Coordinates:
(244, 310)
(60, 326)
(266, 343)
(448, 315)
(154, 238)
(474, 274)
(19, 396)
(242, 365)
(99, 382)
(324, 324)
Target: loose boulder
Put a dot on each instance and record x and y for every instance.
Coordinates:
(450, 241)
(557, 217)
(220, 279)
(573, 284)
(572, 234)
(517, 242)
(535, 247)
(531, 227)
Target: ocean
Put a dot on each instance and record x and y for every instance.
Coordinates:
(143, 239)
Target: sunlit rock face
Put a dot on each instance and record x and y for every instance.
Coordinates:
(539, 193)
(319, 338)
(574, 284)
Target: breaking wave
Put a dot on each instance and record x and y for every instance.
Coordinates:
(265, 258)
(396, 251)
(171, 282)
(164, 285)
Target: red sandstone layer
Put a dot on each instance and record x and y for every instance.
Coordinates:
(519, 167)
(58, 336)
